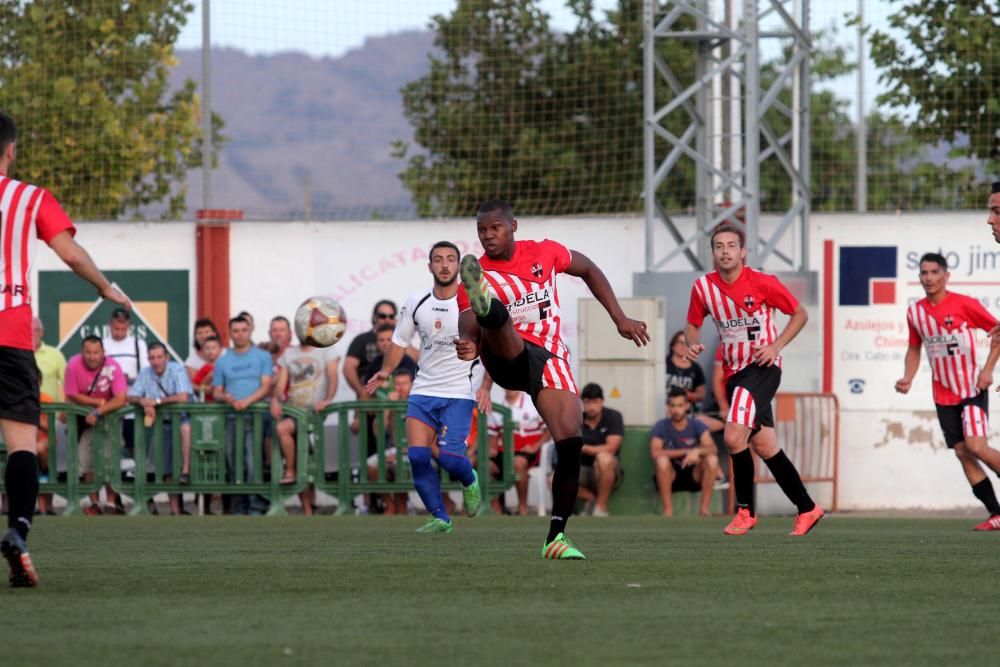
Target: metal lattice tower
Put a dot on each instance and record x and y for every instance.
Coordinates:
(726, 136)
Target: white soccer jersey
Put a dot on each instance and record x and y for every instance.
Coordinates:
(441, 372)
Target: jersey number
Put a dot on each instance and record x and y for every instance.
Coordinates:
(752, 333)
(543, 309)
(952, 349)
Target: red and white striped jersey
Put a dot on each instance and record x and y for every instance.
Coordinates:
(743, 313)
(526, 284)
(528, 424)
(27, 213)
(946, 332)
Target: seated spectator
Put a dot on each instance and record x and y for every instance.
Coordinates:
(307, 379)
(530, 434)
(97, 382)
(165, 382)
(603, 431)
(201, 381)
(687, 375)
(684, 456)
(204, 329)
(50, 362)
(394, 503)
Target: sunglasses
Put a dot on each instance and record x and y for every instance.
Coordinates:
(386, 316)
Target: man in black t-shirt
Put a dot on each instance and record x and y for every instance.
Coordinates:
(603, 430)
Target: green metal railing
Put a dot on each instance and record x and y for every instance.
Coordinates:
(211, 425)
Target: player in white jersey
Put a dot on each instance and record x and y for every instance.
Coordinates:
(444, 392)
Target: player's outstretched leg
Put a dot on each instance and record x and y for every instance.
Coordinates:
(21, 482)
(471, 274)
(428, 486)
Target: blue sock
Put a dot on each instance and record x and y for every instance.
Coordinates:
(458, 465)
(427, 482)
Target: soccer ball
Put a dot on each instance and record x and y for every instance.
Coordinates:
(320, 321)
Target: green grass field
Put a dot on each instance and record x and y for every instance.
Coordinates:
(367, 590)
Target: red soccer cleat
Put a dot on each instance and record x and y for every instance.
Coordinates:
(741, 524)
(807, 521)
(993, 523)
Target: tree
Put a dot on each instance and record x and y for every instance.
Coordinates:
(89, 91)
(511, 108)
(937, 59)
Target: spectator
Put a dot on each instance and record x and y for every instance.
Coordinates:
(687, 375)
(242, 377)
(204, 329)
(307, 379)
(603, 431)
(50, 361)
(249, 318)
(684, 456)
(530, 433)
(165, 382)
(280, 333)
(97, 382)
(364, 348)
(125, 347)
(211, 350)
(402, 381)
(42, 451)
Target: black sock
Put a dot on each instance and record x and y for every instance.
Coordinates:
(497, 316)
(984, 491)
(21, 480)
(788, 479)
(743, 474)
(565, 484)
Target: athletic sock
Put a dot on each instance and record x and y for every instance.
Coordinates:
(21, 480)
(743, 474)
(497, 316)
(788, 479)
(459, 466)
(565, 484)
(427, 482)
(984, 491)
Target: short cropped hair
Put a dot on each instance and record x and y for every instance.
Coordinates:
(496, 204)
(92, 339)
(8, 131)
(729, 228)
(443, 244)
(675, 392)
(935, 257)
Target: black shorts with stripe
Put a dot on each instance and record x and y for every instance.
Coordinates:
(750, 392)
(19, 386)
(965, 419)
(525, 372)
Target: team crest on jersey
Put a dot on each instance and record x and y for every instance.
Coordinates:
(437, 325)
(748, 301)
(949, 321)
(536, 270)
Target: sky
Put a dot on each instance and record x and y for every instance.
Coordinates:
(332, 27)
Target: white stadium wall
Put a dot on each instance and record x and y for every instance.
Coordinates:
(892, 453)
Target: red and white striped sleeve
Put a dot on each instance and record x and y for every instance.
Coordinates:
(697, 309)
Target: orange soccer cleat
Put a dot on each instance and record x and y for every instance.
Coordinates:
(993, 523)
(741, 524)
(806, 521)
(22, 572)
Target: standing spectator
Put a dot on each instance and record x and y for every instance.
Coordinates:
(201, 382)
(51, 362)
(249, 318)
(97, 382)
(165, 382)
(364, 348)
(204, 328)
(603, 431)
(242, 377)
(307, 379)
(683, 373)
(125, 347)
(280, 333)
(684, 456)
(530, 433)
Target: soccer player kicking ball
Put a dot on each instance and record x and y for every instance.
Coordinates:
(510, 317)
(443, 395)
(943, 322)
(742, 303)
(27, 213)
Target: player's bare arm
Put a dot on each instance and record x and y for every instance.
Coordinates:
(910, 365)
(76, 258)
(483, 400)
(467, 345)
(766, 355)
(986, 375)
(692, 335)
(392, 358)
(582, 267)
(280, 386)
